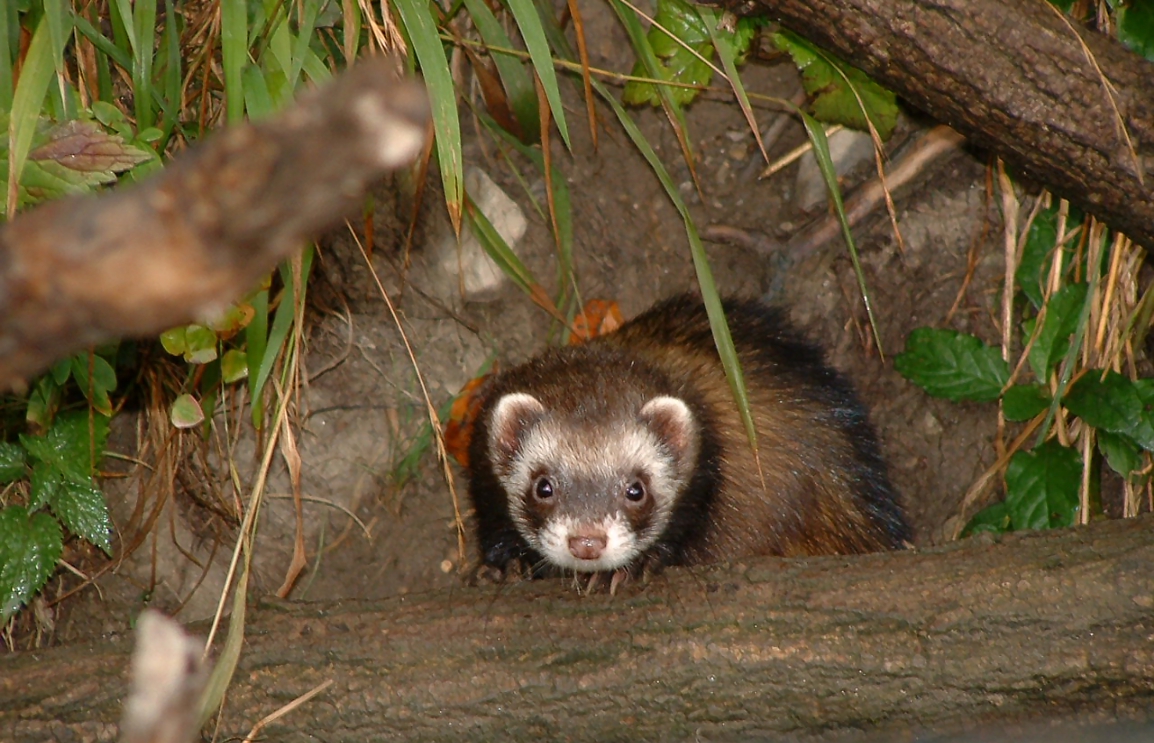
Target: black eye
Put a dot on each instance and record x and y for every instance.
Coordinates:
(635, 492)
(543, 489)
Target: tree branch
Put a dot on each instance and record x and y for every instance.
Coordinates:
(1068, 107)
(181, 246)
(1006, 628)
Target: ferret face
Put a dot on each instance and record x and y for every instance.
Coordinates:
(592, 495)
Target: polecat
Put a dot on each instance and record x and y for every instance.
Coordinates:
(628, 451)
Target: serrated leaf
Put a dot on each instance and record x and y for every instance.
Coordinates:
(1024, 401)
(44, 483)
(30, 546)
(67, 446)
(953, 365)
(1112, 404)
(836, 88)
(13, 462)
(43, 404)
(1061, 320)
(994, 519)
(1042, 487)
(1136, 28)
(81, 507)
(1121, 453)
(676, 63)
(233, 366)
(186, 412)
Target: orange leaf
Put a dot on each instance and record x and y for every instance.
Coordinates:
(600, 317)
(462, 416)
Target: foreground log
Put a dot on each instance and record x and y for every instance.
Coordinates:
(1067, 106)
(182, 246)
(980, 630)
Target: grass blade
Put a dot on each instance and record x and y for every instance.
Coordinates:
(518, 84)
(529, 23)
(234, 55)
(817, 136)
(35, 76)
(422, 32)
(717, 322)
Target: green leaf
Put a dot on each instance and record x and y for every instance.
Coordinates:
(67, 447)
(1061, 320)
(13, 461)
(953, 365)
(30, 546)
(43, 403)
(1024, 401)
(173, 341)
(35, 76)
(1042, 487)
(103, 381)
(1112, 404)
(1121, 453)
(233, 366)
(80, 506)
(186, 412)
(675, 62)
(45, 481)
(1033, 264)
(199, 344)
(994, 519)
(1136, 27)
(836, 88)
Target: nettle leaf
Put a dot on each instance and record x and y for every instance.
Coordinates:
(1121, 453)
(1060, 322)
(1042, 487)
(994, 518)
(836, 88)
(69, 444)
(45, 482)
(81, 507)
(13, 462)
(30, 546)
(1024, 401)
(953, 365)
(677, 63)
(1113, 404)
(1136, 28)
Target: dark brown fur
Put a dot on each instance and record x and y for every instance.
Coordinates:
(821, 487)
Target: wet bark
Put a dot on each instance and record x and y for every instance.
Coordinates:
(180, 247)
(1066, 106)
(1036, 624)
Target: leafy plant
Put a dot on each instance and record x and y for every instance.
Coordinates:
(54, 474)
(1067, 277)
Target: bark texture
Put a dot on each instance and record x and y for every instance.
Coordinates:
(982, 629)
(1067, 106)
(182, 246)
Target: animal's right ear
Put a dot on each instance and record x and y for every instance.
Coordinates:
(513, 415)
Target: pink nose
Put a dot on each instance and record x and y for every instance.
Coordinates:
(587, 546)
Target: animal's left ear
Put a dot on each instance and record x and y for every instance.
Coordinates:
(671, 420)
